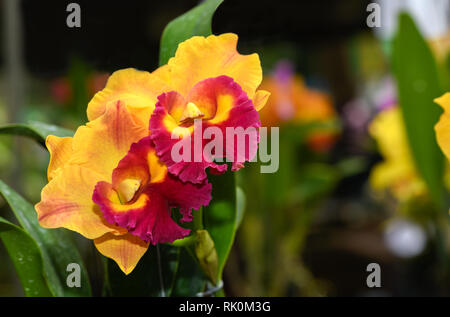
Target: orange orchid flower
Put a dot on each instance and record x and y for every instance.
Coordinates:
(109, 183)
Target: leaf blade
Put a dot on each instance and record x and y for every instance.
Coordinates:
(26, 258)
(418, 84)
(56, 247)
(219, 217)
(196, 21)
(35, 130)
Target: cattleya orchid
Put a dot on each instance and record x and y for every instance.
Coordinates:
(114, 180)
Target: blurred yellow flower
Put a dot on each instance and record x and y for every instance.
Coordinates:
(396, 172)
(440, 46)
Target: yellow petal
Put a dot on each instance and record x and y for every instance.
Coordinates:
(388, 130)
(260, 99)
(442, 128)
(444, 101)
(199, 58)
(137, 90)
(102, 143)
(402, 181)
(163, 73)
(397, 172)
(126, 250)
(191, 112)
(60, 151)
(67, 202)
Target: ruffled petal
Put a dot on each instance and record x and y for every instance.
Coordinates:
(102, 143)
(199, 58)
(60, 152)
(185, 196)
(137, 90)
(147, 218)
(125, 250)
(67, 202)
(162, 126)
(397, 171)
(224, 105)
(142, 194)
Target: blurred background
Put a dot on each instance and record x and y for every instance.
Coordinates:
(346, 193)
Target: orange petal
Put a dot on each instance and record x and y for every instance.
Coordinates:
(269, 113)
(314, 105)
(67, 202)
(60, 151)
(102, 143)
(137, 90)
(126, 250)
(442, 128)
(199, 58)
(163, 73)
(260, 99)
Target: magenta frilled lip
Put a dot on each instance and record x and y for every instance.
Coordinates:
(142, 194)
(215, 109)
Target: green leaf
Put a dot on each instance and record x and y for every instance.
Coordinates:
(219, 218)
(145, 278)
(351, 166)
(418, 84)
(35, 130)
(317, 181)
(241, 201)
(56, 247)
(196, 21)
(26, 257)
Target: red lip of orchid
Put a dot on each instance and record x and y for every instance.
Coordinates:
(142, 194)
(219, 103)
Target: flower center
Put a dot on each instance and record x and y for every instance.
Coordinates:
(127, 189)
(191, 112)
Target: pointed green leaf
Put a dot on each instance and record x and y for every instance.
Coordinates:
(35, 130)
(57, 249)
(418, 84)
(26, 257)
(196, 21)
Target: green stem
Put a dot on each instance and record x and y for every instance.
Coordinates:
(161, 282)
(197, 220)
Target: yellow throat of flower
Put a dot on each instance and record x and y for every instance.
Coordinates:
(191, 112)
(127, 189)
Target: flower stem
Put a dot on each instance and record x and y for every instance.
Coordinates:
(161, 282)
